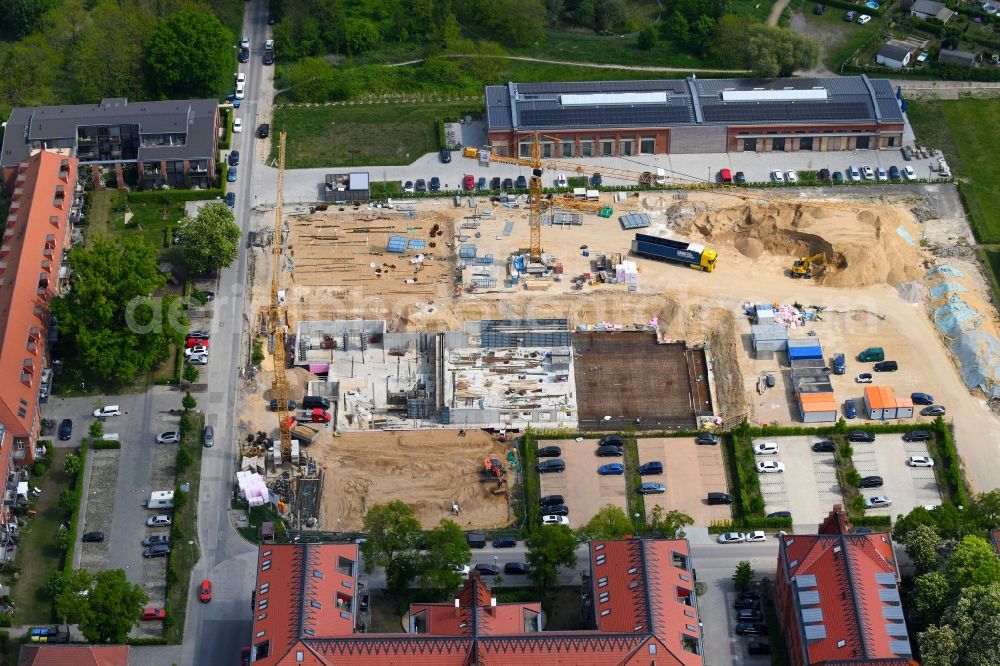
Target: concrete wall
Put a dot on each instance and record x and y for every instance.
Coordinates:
(705, 139)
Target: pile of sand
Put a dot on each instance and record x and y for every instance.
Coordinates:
(865, 246)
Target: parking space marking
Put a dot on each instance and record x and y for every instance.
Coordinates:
(686, 490)
(584, 490)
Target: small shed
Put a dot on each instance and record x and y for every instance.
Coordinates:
(881, 403)
(894, 54)
(927, 9)
(804, 349)
(767, 339)
(817, 407)
(347, 187)
(958, 57)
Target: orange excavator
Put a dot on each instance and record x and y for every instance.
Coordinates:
(493, 469)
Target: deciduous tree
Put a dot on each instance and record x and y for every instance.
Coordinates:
(113, 607)
(22, 17)
(931, 595)
(743, 575)
(71, 605)
(392, 532)
(447, 549)
(550, 547)
(189, 55)
(609, 523)
(973, 562)
(922, 545)
(211, 240)
(773, 51)
(668, 524)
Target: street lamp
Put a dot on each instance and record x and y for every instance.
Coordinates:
(495, 568)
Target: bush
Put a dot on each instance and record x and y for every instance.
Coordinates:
(64, 540)
(40, 468)
(858, 504)
(531, 513)
(750, 523)
(6, 619)
(67, 500)
(871, 521)
(96, 430)
(257, 356)
(184, 459)
(103, 444)
(853, 477)
(72, 465)
(77, 487)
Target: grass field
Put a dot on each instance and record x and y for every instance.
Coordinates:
(185, 529)
(615, 50)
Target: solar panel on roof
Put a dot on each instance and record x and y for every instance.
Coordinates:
(808, 598)
(396, 244)
(892, 612)
(812, 615)
(885, 578)
(900, 647)
(897, 629)
(815, 632)
(805, 580)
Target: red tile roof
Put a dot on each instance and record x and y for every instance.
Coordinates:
(844, 588)
(73, 655)
(654, 617)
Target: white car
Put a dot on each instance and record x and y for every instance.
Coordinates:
(765, 448)
(237, 125)
(877, 502)
(881, 175)
(854, 174)
(241, 79)
(864, 18)
(732, 537)
(240, 93)
(756, 536)
(920, 461)
(199, 359)
(245, 42)
(777, 176)
(561, 180)
(463, 569)
(864, 378)
(909, 173)
(108, 410)
(268, 44)
(168, 437)
(555, 520)
(197, 349)
(158, 521)
(791, 177)
(868, 173)
(770, 467)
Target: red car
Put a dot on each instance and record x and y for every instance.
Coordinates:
(154, 614)
(205, 591)
(194, 342)
(469, 182)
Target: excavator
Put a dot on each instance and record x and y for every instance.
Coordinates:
(803, 268)
(493, 469)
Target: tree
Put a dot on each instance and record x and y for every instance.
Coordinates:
(730, 42)
(64, 540)
(702, 34)
(554, 10)
(108, 320)
(96, 430)
(182, 459)
(931, 595)
(190, 373)
(974, 624)
(550, 547)
(447, 549)
(309, 79)
(67, 500)
(211, 240)
(608, 14)
(922, 545)
(647, 37)
(609, 523)
(743, 575)
(71, 606)
(938, 646)
(973, 562)
(360, 35)
(22, 17)
(392, 532)
(73, 463)
(677, 28)
(773, 51)
(984, 512)
(190, 54)
(113, 607)
(188, 402)
(668, 524)
(107, 53)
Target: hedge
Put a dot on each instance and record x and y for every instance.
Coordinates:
(168, 196)
(952, 469)
(871, 521)
(104, 444)
(751, 523)
(77, 494)
(531, 514)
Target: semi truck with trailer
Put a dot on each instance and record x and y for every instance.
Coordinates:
(693, 255)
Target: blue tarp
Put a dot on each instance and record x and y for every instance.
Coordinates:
(943, 288)
(944, 269)
(905, 235)
(979, 357)
(956, 316)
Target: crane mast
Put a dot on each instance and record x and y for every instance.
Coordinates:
(276, 314)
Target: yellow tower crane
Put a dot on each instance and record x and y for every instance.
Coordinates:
(276, 314)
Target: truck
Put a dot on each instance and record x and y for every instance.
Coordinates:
(314, 415)
(693, 255)
(839, 364)
(305, 434)
(160, 499)
(872, 354)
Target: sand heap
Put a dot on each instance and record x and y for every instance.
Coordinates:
(866, 246)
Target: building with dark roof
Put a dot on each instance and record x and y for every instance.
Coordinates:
(169, 143)
(621, 118)
(894, 54)
(838, 597)
(928, 9)
(308, 603)
(957, 57)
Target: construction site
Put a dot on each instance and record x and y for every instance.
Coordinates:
(437, 328)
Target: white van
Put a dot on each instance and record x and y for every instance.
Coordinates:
(108, 410)
(239, 91)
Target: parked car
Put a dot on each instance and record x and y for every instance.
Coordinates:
(66, 429)
(824, 446)
(854, 174)
(521, 183)
(850, 409)
(749, 615)
(864, 378)
(205, 591)
(780, 514)
(917, 436)
(894, 173)
(611, 440)
(867, 172)
(610, 451)
(515, 569)
(756, 647)
(596, 180)
(877, 502)
(824, 175)
(231, 199)
(237, 125)
(791, 177)
(482, 185)
(171, 437)
(435, 184)
(751, 629)
(555, 520)
(850, 16)
(861, 436)
(732, 537)
(93, 537)
(770, 467)
(556, 510)
(264, 131)
(155, 539)
(652, 467)
(706, 438)
(108, 410)
(765, 448)
(561, 180)
(199, 359)
(245, 42)
(837, 177)
(777, 176)
(234, 158)
(268, 58)
(231, 174)
(197, 349)
(508, 185)
(289, 406)
(505, 542)
(909, 173)
(549, 452)
(719, 498)
(153, 614)
(444, 155)
(922, 398)
(160, 520)
(193, 341)
(159, 550)
(746, 602)
(244, 55)
(611, 470)
(487, 569)
(463, 569)
(208, 437)
(495, 183)
(757, 536)
(870, 482)
(863, 19)
(554, 465)
(551, 499)
(933, 410)
(421, 185)
(881, 175)
(741, 178)
(651, 488)
(886, 366)
(920, 461)
(408, 187)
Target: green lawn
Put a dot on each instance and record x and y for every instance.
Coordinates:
(184, 556)
(615, 50)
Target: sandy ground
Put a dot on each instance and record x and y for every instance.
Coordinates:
(427, 469)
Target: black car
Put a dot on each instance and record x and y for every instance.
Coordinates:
(507, 185)
(290, 405)
(158, 550)
(495, 183)
(93, 537)
(610, 451)
(556, 510)
(861, 436)
(749, 615)
(551, 499)
(549, 452)
(444, 155)
(435, 184)
(871, 482)
(421, 185)
(756, 647)
(824, 174)
(505, 542)
(706, 438)
(780, 514)
(554, 465)
(749, 593)
(487, 569)
(66, 429)
(826, 446)
(244, 55)
(521, 183)
(272, 19)
(611, 440)
(596, 180)
(742, 603)
(268, 57)
(155, 539)
(234, 158)
(751, 629)
(231, 199)
(652, 467)
(720, 498)
(894, 173)
(263, 131)
(886, 366)
(515, 569)
(917, 436)
(740, 178)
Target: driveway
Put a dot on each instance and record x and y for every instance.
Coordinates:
(906, 486)
(690, 473)
(585, 490)
(808, 488)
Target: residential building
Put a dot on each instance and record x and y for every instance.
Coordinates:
(625, 118)
(309, 600)
(956, 57)
(928, 9)
(894, 54)
(73, 655)
(170, 143)
(31, 256)
(838, 597)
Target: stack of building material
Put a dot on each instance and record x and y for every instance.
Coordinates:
(882, 403)
(627, 273)
(253, 488)
(788, 315)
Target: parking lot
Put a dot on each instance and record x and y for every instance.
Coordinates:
(808, 487)
(906, 486)
(690, 473)
(583, 488)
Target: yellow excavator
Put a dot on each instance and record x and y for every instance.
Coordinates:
(803, 268)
